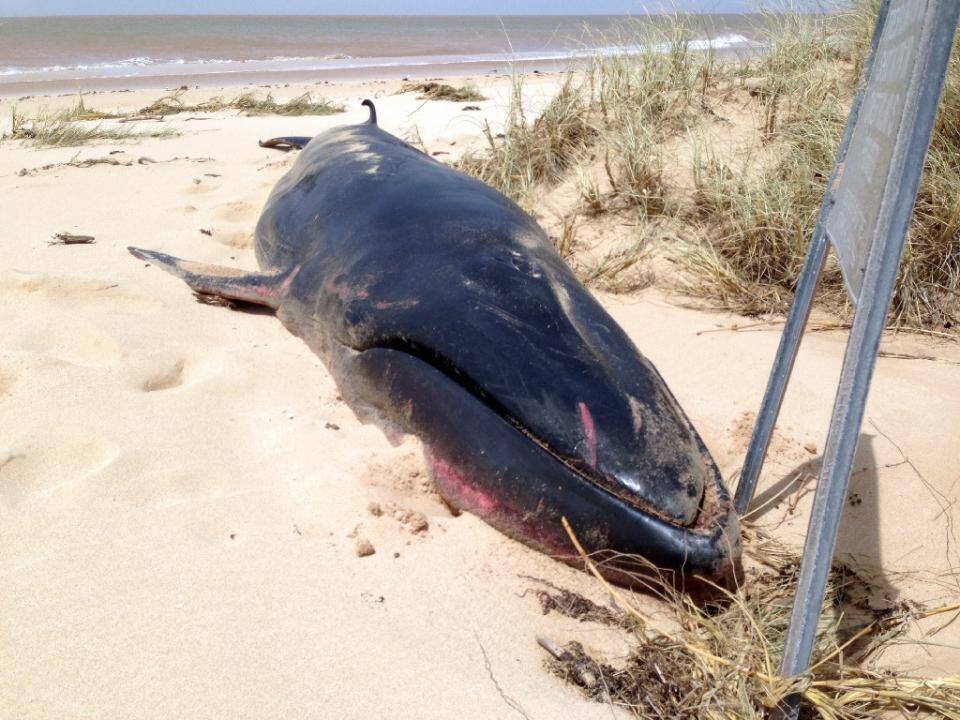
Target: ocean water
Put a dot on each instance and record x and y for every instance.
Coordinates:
(144, 50)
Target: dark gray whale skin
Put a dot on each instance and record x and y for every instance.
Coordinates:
(440, 304)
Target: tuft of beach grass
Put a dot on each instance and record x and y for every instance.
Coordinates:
(443, 91)
(61, 129)
(249, 103)
(758, 216)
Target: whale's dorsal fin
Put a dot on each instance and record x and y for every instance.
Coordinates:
(372, 120)
(261, 288)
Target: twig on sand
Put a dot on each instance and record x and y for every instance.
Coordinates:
(767, 325)
(910, 356)
(138, 118)
(65, 238)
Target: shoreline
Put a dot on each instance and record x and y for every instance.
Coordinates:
(492, 69)
(274, 79)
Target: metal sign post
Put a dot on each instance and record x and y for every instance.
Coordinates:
(865, 215)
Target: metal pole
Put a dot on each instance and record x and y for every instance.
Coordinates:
(782, 367)
(860, 357)
(802, 302)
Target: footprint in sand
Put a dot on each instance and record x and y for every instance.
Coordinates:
(77, 342)
(38, 472)
(239, 211)
(7, 380)
(200, 186)
(240, 239)
(52, 286)
(166, 371)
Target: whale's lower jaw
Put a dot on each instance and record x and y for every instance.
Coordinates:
(483, 465)
(624, 542)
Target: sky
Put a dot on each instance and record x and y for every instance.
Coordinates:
(13, 8)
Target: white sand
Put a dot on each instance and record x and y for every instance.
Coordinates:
(179, 520)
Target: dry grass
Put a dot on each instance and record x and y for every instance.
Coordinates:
(748, 219)
(609, 121)
(60, 129)
(248, 103)
(759, 216)
(80, 112)
(719, 659)
(529, 154)
(443, 91)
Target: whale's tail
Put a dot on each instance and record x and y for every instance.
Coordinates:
(373, 111)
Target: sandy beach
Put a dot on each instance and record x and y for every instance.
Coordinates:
(183, 493)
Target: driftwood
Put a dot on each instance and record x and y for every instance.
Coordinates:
(138, 118)
(65, 238)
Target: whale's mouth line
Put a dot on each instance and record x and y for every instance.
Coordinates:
(579, 467)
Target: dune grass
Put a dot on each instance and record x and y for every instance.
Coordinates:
(606, 122)
(443, 91)
(70, 128)
(248, 102)
(80, 112)
(719, 658)
(533, 153)
(743, 222)
(759, 216)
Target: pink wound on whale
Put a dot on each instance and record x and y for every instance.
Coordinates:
(589, 433)
(458, 488)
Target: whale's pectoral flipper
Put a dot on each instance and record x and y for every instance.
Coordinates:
(262, 288)
(286, 143)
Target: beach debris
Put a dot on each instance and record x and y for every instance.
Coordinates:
(206, 232)
(139, 118)
(91, 162)
(470, 108)
(573, 664)
(248, 102)
(206, 299)
(364, 547)
(65, 238)
(331, 426)
(574, 605)
(442, 91)
(375, 509)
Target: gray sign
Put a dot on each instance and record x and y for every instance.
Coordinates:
(865, 215)
(870, 163)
